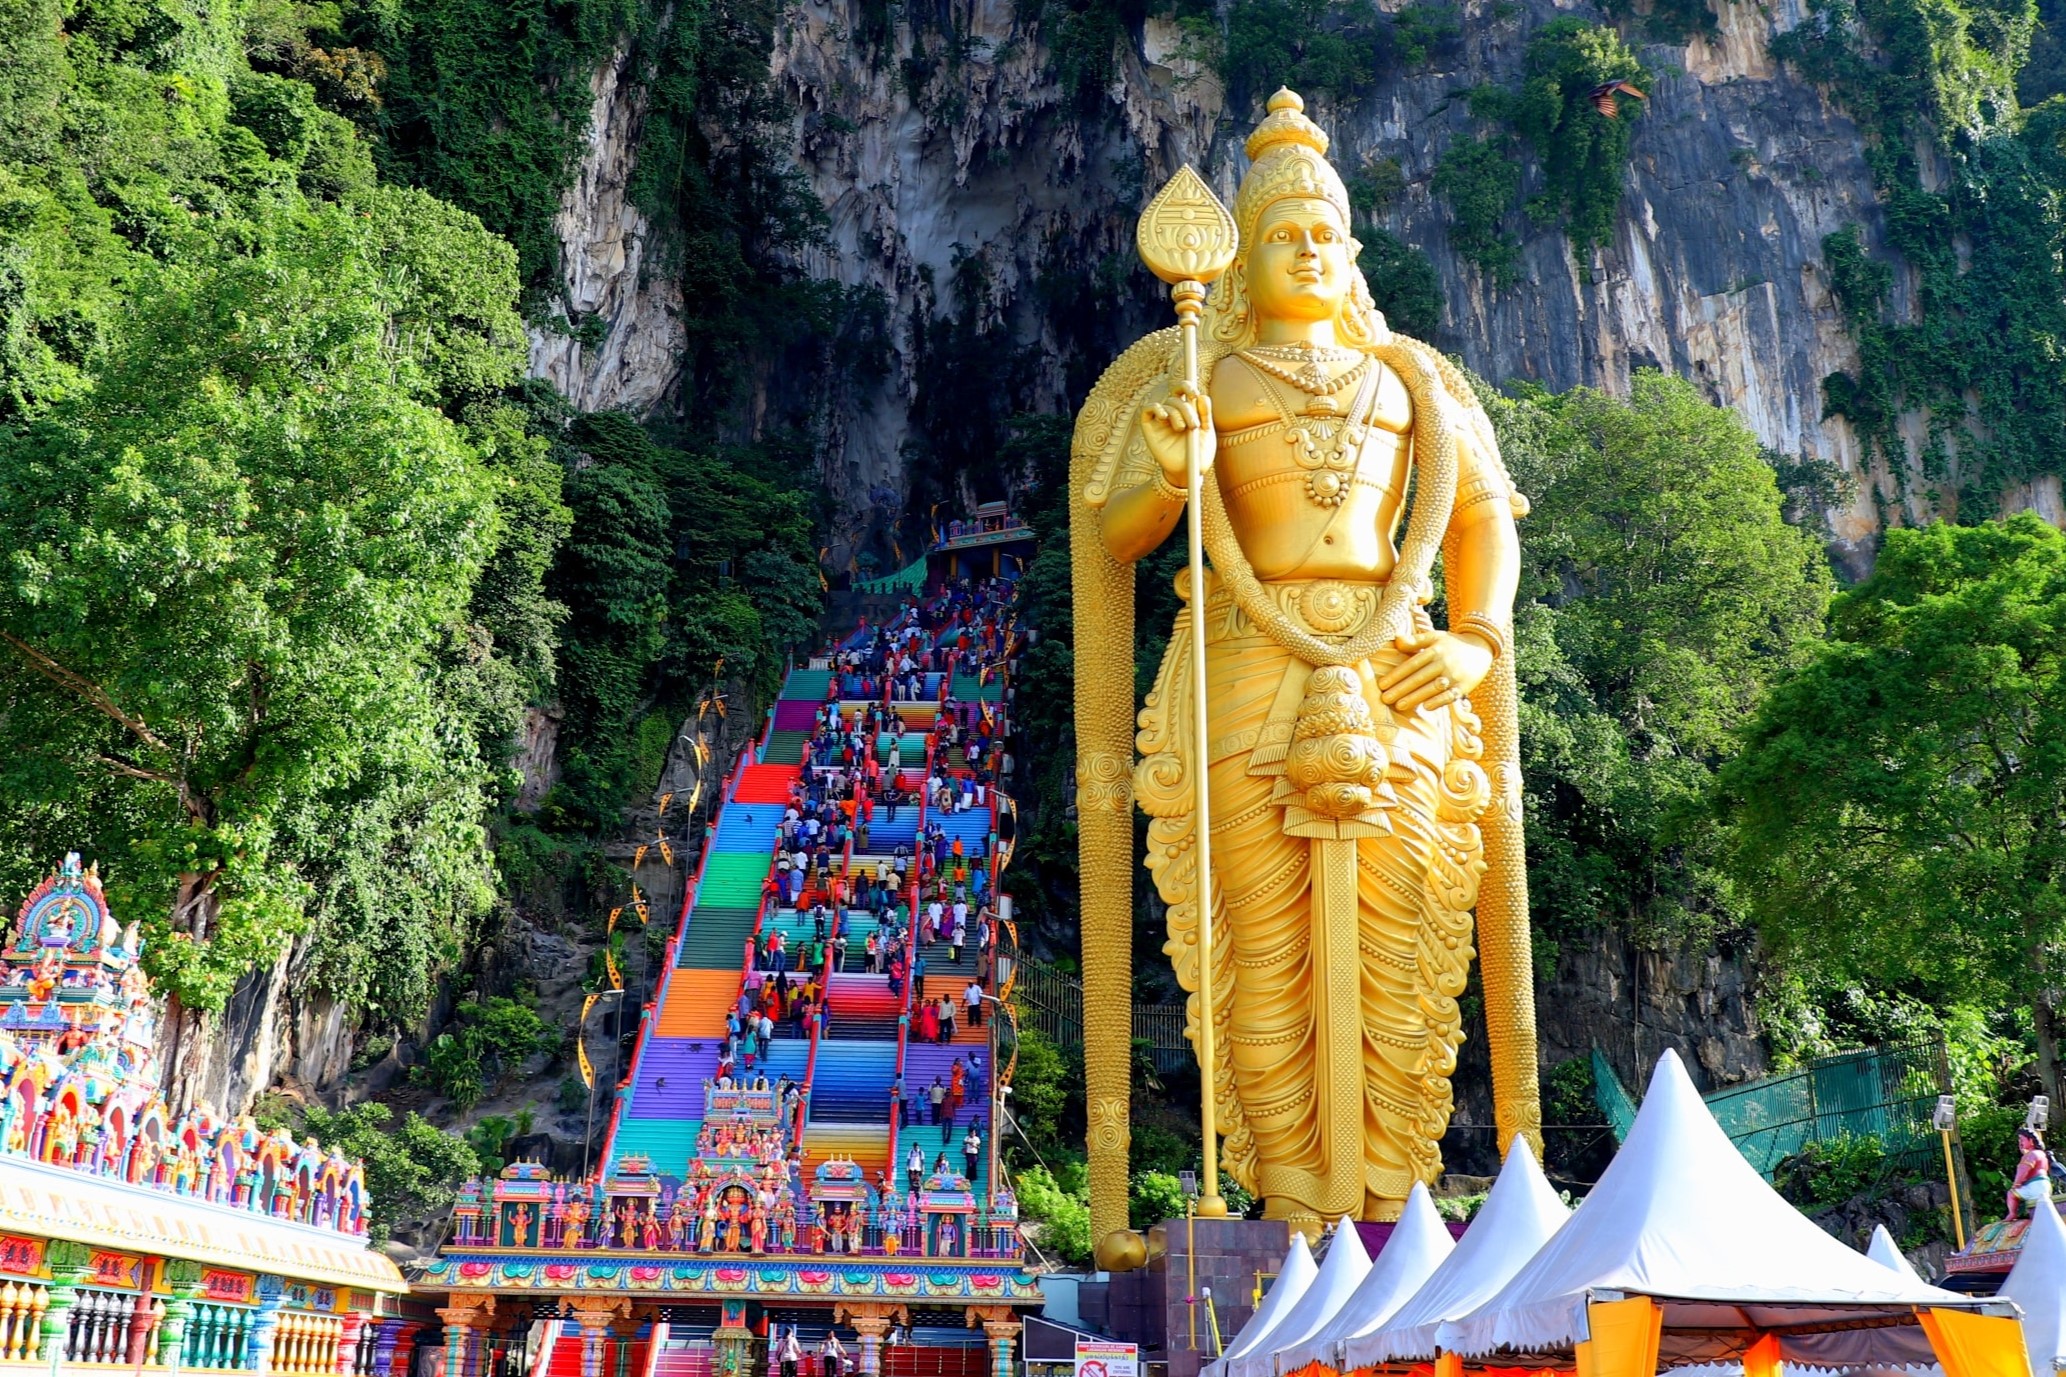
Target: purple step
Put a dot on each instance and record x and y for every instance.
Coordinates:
(792, 716)
(684, 1071)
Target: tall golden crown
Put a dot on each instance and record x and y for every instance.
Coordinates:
(1287, 157)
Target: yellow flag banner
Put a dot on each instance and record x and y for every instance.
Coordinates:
(610, 963)
(581, 1044)
(666, 851)
(665, 799)
(638, 857)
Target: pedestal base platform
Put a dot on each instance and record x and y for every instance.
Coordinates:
(1162, 1306)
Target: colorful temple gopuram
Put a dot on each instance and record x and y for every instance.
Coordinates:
(802, 1147)
(139, 1240)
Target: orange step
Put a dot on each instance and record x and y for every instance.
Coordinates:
(696, 1003)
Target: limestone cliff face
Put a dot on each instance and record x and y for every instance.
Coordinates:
(1715, 272)
(617, 340)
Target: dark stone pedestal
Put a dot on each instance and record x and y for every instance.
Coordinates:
(1151, 1307)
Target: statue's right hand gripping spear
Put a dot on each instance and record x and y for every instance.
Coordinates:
(1187, 238)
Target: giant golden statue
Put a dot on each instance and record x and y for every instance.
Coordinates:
(1361, 766)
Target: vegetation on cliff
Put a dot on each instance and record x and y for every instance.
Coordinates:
(1971, 184)
(290, 543)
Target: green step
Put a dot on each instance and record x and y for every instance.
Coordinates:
(966, 690)
(667, 1141)
(807, 685)
(732, 879)
(785, 748)
(716, 939)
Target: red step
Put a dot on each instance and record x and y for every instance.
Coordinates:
(566, 1356)
(766, 783)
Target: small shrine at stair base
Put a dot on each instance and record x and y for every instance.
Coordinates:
(159, 1242)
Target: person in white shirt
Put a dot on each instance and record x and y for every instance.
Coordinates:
(973, 997)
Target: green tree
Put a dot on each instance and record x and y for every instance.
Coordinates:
(1662, 590)
(1895, 815)
(413, 1170)
(231, 563)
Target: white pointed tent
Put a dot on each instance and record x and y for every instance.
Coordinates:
(1683, 1254)
(1292, 1280)
(2037, 1284)
(1340, 1273)
(1517, 1218)
(1418, 1245)
(1887, 1253)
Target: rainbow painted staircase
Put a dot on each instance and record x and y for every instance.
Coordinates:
(847, 1069)
(847, 1073)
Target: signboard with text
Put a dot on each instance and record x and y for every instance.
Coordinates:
(1106, 1358)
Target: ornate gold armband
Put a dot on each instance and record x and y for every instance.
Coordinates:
(1502, 640)
(1166, 490)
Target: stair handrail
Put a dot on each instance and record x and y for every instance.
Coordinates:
(541, 1363)
(649, 1012)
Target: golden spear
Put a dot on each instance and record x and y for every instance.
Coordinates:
(1187, 238)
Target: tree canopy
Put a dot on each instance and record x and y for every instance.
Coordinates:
(1897, 815)
(235, 565)
(1662, 589)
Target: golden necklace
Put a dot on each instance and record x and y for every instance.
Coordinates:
(1311, 376)
(1325, 441)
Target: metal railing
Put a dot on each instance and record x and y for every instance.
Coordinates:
(1051, 1002)
(1886, 1093)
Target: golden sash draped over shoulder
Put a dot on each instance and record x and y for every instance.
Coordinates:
(1351, 840)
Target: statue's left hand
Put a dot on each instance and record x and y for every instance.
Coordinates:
(1442, 667)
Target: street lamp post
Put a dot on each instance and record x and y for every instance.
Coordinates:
(1944, 1120)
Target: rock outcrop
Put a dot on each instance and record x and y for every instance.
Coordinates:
(1714, 271)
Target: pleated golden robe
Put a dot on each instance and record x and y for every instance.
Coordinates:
(1341, 943)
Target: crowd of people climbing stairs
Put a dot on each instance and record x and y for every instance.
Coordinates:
(919, 911)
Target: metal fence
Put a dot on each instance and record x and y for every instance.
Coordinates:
(1052, 1002)
(1883, 1092)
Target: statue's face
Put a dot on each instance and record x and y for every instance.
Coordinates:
(1298, 266)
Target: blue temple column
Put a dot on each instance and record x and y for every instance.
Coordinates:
(258, 1341)
(1001, 1327)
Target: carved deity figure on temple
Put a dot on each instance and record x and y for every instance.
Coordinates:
(1361, 767)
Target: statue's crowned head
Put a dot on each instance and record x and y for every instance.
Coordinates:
(1288, 168)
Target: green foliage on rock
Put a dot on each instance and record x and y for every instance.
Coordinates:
(1581, 152)
(676, 561)
(1479, 178)
(490, 1039)
(1403, 282)
(1893, 816)
(1972, 187)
